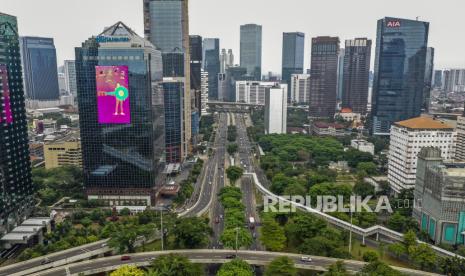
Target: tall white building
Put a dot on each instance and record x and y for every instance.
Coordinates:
(226, 60)
(70, 77)
(253, 92)
(204, 91)
(276, 109)
(455, 80)
(460, 151)
(300, 88)
(407, 139)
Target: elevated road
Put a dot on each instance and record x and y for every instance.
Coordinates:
(206, 256)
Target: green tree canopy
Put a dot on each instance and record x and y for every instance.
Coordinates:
(191, 233)
(236, 267)
(234, 173)
(128, 270)
(173, 265)
(272, 235)
(281, 266)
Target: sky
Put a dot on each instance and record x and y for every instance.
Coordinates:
(70, 22)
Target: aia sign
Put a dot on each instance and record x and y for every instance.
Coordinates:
(393, 24)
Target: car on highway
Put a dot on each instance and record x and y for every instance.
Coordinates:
(125, 258)
(305, 259)
(104, 244)
(231, 256)
(45, 261)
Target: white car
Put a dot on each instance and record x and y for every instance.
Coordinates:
(305, 259)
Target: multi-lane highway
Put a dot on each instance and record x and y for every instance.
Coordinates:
(209, 257)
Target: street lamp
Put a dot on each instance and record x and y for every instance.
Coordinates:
(237, 237)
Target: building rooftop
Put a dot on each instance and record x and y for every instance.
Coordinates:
(423, 123)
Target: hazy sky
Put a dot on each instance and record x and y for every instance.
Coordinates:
(70, 22)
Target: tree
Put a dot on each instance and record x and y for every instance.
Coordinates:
(423, 255)
(174, 264)
(378, 268)
(232, 148)
(337, 269)
(363, 189)
(234, 173)
(354, 157)
(410, 239)
(125, 212)
(191, 233)
(397, 249)
(368, 167)
(128, 270)
(370, 256)
(272, 235)
(453, 266)
(396, 222)
(236, 267)
(228, 238)
(281, 266)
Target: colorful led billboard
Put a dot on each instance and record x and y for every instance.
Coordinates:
(113, 95)
(6, 116)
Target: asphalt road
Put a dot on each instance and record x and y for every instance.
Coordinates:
(209, 256)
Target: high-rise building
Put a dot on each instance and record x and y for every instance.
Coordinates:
(121, 115)
(300, 88)
(70, 77)
(63, 152)
(446, 83)
(251, 50)
(340, 75)
(357, 54)
(211, 48)
(226, 60)
(17, 189)
(174, 106)
(429, 66)
(196, 73)
(276, 109)
(439, 205)
(323, 76)
(39, 60)
(292, 57)
(166, 25)
(399, 80)
(460, 151)
(437, 80)
(253, 92)
(407, 139)
(204, 91)
(454, 80)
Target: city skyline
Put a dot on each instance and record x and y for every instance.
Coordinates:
(312, 22)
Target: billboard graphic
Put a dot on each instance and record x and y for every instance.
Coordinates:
(6, 116)
(112, 95)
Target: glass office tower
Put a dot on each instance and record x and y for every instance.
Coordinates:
(39, 60)
(292, 57)
(196, 74)
(173, 92)
(399, 72)
(17, 190)
(251, 50)
(211, 64)
(121, 116)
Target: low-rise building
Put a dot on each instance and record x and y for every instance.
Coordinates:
(328, 129)
(407, 139)
(439, 197)
(348, 115)
(460, 152)
(363, 145)
(63, 152)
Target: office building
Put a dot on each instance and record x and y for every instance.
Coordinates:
(460, 151)
(340, 75)
(323, 80)
(429, 66)
(121, 116)
(204, 92)
(292, 57)
(454, 80)
(17, 189)
(174, 106)
(226, 60)
(363, 146)
(276, 109)
(228, 82)
(253, 92)
(63, 152)
(439, 196)
(407, 139)
(300, 88)
(196, 73)
(251, 50)
(40, 73)
(400, 63)
(437, 80)
(166, 25)
(211, 48)
(356, 70)
(70, 77)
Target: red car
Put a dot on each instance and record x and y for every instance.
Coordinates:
(125, 258)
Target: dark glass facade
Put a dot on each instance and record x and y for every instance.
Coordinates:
(356, 70)
(211, 49)
(399, 72)
(251, 50)
(173, 65)
(39, 62)
(122, 162)
(323, 80)
(173, 95)
(437, 83)
(17, 190)
(292, 57)
(196, 73)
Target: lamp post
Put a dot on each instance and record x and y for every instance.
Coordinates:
(237, 237)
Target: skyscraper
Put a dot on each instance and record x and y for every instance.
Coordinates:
(340, 75)
(300, 88)
(276, 109)
(429, 67)
(40, 73)
(166, 25)
(17, 190)
(196, 72)
(211, 57)
(292, 57)
(70, 77)
(437, 80)
(323, 76)
(174, 106)
(251, 50)
(226, 60)
(460, 152)
(121, 114)
(400, 61)
(356, 72)
(204, 100)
